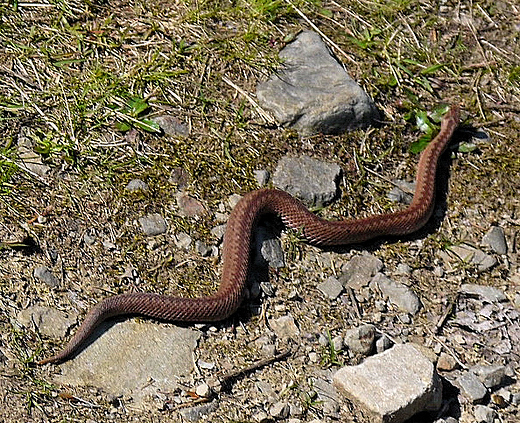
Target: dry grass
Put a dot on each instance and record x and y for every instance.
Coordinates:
(74, 74)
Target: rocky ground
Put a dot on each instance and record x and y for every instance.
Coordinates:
(91, 208)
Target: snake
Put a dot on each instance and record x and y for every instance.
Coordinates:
(237, 244)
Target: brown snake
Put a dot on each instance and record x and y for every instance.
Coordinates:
(237, 240)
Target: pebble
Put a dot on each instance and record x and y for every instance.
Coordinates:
(484, 414)
(218, 232)
(153, 224)
(203, 249)
(402, 193)
(285, 327)
(262, 177)
(472, 387)
(383, 343)
(137, 185)
(261, 417)
(446, 362)
(360, 340)
(171, 125)
(359, 270)
(182, 240)
(496, 240)
(203, 390)
(280, 410)
(331, 288)
(488, 293)
(48, 321)
(398, 293)
(490, 376)
(189, 206)
(43, 274)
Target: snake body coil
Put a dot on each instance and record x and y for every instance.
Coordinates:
(237, 240)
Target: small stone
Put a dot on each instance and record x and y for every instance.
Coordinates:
(202, 249)
(285, 327)
(331, 288)
(233, 200)
(43, 274)
(182, 240)
(219, 231)
(490, 376)
(313, 181)
(403, 269)
(472, 387)
(496, 240)
(280, 410)
(261, 417)
(137, 185)
(488, 293)
(171, 125)
(446, 362)
(270, 250)
(398, 293)
(189, 206)
(89, 238)
(402, 193)
(313, 357)
(360, 340)
(203, 390)
(262, 177)
(48, 321)
(438, 271)
(194, 414)
(383, 343)
(484, 414)
(358, 272)
(153, 224)
(337, 343)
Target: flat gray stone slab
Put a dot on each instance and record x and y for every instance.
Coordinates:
(392, 386)
(313, 93)
(133, 358)
(312, 181)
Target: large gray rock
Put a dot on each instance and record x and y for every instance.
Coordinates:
(313, 93)
(124, 357)
(392, 386)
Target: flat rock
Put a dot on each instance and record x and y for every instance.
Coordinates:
(496, 240)
(472, 387)
(488, 293)
(397, 293)
(49, 321)
(43, 274)
(312, 181)
(392, 386)
(331, 287)
(133, 358)
(359, 270)
(313, 93)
